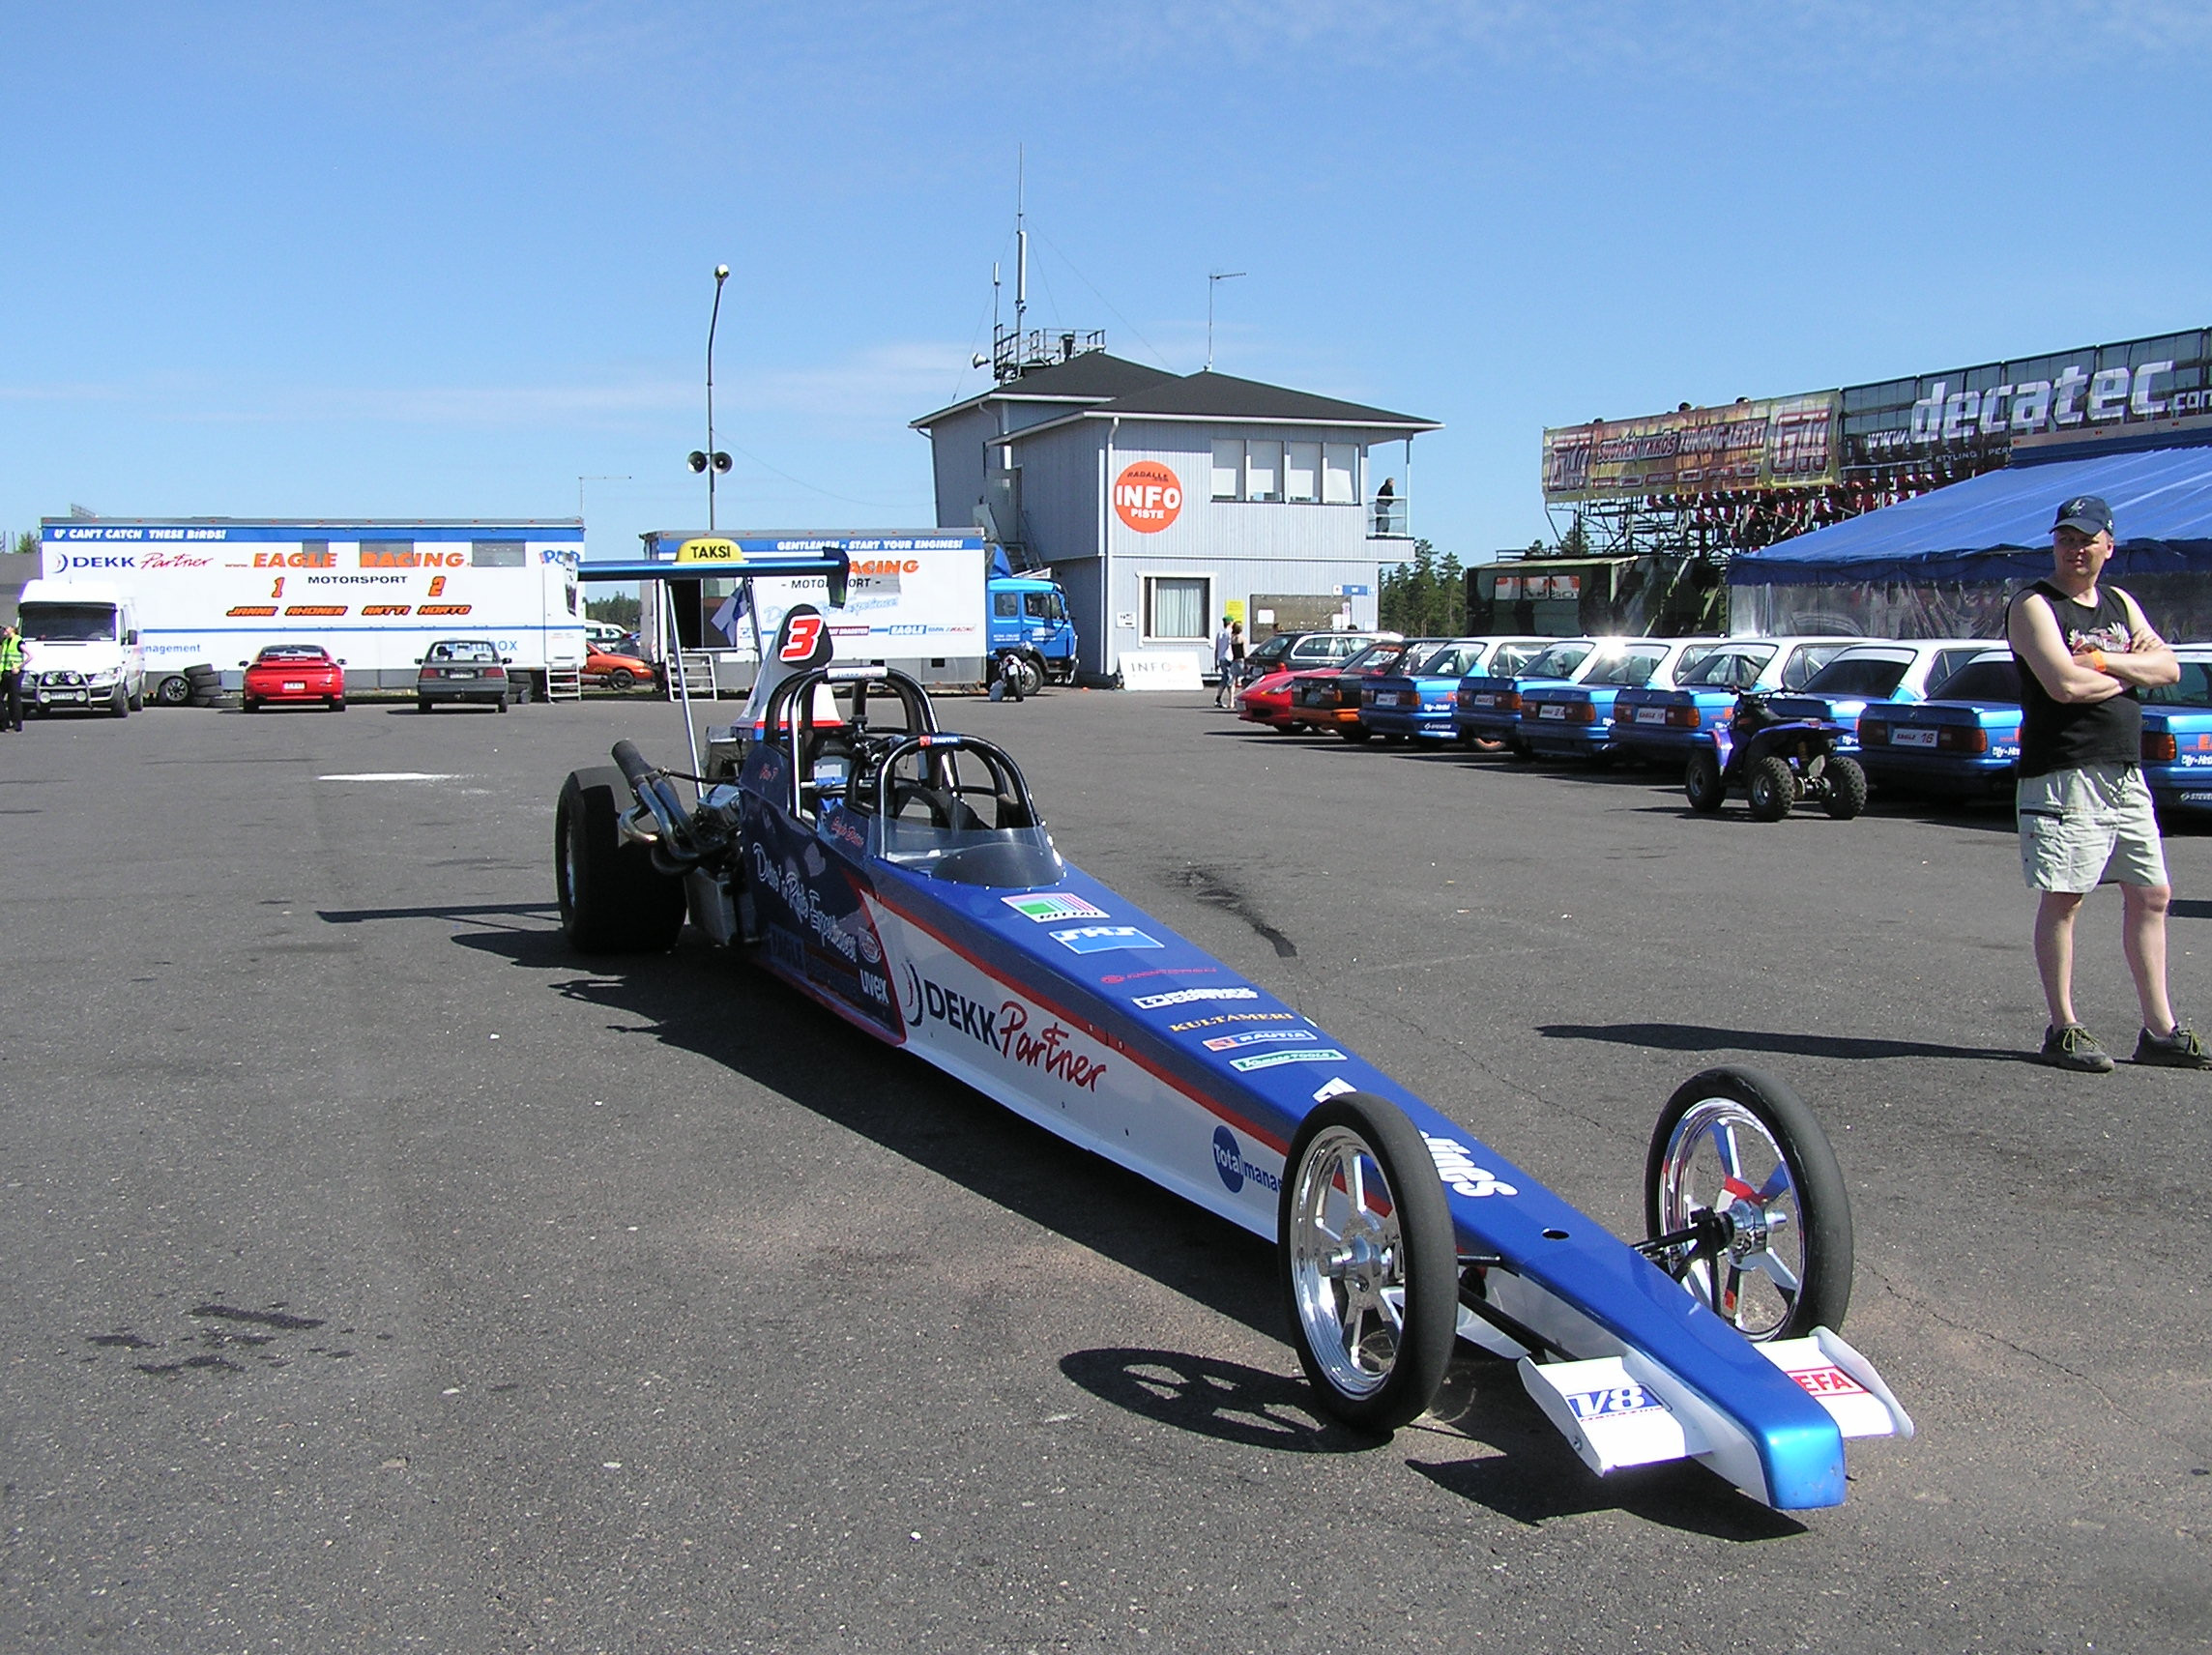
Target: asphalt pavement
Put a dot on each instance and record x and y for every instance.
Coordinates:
(385, 1277)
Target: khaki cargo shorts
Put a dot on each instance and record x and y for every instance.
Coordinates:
(2080, 829)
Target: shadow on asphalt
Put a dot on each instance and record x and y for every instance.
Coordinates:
(1694, 1038)
(714, 1005)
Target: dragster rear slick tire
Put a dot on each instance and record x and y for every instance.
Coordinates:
(613, 900)
(1794, 1271)
(1372, 1295)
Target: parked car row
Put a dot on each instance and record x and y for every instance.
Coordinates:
(1781, 721)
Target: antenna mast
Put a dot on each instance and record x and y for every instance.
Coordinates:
(1016, 350)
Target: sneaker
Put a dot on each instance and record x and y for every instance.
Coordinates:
(2074, 1047)
(2179, 1050)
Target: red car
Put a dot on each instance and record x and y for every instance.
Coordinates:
(1327, 699)
(617, 670)
(293, 672)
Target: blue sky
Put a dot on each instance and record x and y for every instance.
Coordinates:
(444, 260)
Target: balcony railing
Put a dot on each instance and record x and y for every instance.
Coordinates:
(1388, 518)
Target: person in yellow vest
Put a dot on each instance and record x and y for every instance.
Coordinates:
(11, 679)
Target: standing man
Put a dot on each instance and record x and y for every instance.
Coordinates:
(2084, 650)
(11, 679)
(1224, 650)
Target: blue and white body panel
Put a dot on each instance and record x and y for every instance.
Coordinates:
(1084, 1015)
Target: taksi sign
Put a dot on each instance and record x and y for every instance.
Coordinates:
(1148, 496)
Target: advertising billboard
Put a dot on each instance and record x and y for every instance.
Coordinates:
(1784, 442)
(2138, 392)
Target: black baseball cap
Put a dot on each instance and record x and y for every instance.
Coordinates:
(2086, 513)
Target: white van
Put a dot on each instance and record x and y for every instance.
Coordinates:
(80, 648)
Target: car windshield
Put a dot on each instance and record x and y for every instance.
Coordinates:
(1330, 647)
(1874, 677)
(462, 650)
(1735, 667)
(1628, 670)
(1453, 660)
(293, 653)
(1560, 661)
(2192, 690)
(1376, 657)
(1996, 682)
(68, 622)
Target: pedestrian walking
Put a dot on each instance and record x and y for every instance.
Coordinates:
(2084, 650)
(11, 679)
(1223, 653)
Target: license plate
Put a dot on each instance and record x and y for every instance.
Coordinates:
(1486, 701)
(300, 684)
(1552, 710)
(1907, 736)
(459, 672)
(1386, 698)
(1651, 715)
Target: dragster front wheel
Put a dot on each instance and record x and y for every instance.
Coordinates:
(1369, 1268)
(1740, 1158)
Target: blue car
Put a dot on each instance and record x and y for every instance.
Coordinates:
(2177, 738)
(1418, 704)
(1486, 707)
(1965, 743)
(1877, 671)
(1665, 726)
(1575, 720)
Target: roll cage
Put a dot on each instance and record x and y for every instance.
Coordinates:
(953, 806)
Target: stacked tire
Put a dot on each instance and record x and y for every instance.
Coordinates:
(203, 687)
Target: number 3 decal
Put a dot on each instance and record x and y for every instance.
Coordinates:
(805, 633)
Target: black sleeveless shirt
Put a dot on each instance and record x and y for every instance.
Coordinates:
(2066, 735)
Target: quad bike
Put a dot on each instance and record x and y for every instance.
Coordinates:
(1776, 763)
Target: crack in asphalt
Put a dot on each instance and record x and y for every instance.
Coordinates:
(1212, 890)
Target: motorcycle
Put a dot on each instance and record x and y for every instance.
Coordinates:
(1776, 763)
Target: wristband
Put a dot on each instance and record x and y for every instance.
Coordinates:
(2097, 659)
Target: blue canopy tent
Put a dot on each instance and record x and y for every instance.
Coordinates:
(1944, 565)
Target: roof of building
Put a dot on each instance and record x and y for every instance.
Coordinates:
(1094, 376)
(1210, 396)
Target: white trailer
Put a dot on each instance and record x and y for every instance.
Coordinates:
(937, 604)
(209, 591)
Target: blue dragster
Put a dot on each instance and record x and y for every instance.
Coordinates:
(902, 877)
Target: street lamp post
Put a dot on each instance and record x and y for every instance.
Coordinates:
(712, 460)
(1213, 279)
